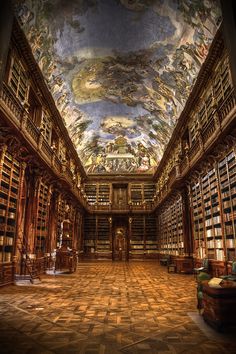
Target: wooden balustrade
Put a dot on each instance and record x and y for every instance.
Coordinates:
(25, 124)
(208, 130)
(194, 150)
(12, 103)
(227, 106)
(32, 130)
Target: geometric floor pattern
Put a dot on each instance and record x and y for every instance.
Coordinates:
(108, 308)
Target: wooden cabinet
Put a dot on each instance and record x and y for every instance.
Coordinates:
(219, 304)
(184, 264)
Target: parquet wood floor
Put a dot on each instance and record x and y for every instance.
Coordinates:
(108, 308)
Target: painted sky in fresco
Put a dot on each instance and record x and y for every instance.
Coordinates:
(120, 71)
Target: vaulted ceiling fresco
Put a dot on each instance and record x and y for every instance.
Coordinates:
(120, 71)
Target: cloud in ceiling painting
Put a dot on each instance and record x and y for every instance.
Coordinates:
(120, 71)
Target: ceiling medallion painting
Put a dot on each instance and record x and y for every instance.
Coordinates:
(120, 71)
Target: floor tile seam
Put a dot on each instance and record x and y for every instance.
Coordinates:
(150, 337)
(46, 321)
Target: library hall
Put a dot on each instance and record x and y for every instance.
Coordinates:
(118, 177)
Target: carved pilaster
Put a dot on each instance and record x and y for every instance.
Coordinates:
(3, 149)
(24, 120)
(187, 231)
(110, 231)
(33, 185)
(201, 144)
(21, 205)
(52, 221)
(217, 119)
(40, 141)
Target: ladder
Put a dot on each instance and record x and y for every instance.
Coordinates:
(27, 261)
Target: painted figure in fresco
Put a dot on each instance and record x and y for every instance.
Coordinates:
(100, 168)
(25, 15)
(144, 165)
(92, 167)
(155, 76)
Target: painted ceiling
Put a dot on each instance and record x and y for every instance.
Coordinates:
(120, 71)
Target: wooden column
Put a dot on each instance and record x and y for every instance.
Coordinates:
(75, 240)
(52, 223)
(33, 184)
(130, 220)
(78, 231)
(187, 232)
(20, 212)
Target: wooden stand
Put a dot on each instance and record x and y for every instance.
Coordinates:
(184, 265)
(66, 260)
(220, 304)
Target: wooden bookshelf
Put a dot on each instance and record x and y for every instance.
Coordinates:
(197, 220)
(151, 249)
(149, 191)
(42, 219)
(103, 194)
(91, 193)
(222, 83)
(142, 193)
(103, 237)
(137, 237)
(227, 185)
(90, 235)
(9, 191)
(61, 206)
(213, 205)
(170, 227)
(136, 194)
(18, 80)
(46, 127)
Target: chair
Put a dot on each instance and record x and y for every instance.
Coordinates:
(204, 268)
(200, 278)
(231, 276)
(165, 260)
